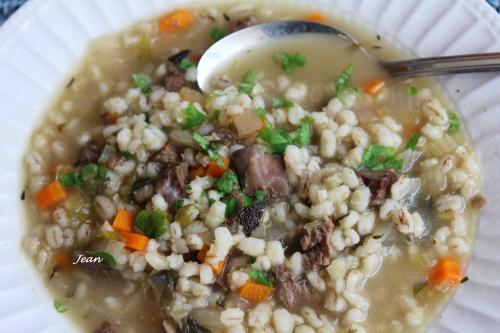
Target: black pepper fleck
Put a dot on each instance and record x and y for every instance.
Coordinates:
(249, 218)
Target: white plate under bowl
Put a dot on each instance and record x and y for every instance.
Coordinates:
(43, 41)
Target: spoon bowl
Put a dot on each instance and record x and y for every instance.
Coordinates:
(257, 35)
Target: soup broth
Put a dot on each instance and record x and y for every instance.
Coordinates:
(307, 192)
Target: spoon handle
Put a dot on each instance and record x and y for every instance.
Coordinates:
(469, 63)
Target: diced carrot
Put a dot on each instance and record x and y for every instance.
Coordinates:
(196, 172)
(215, 171)
(202, 254)
(446, 271)
(256, 292)
(50, 195)
(134, 241)
(374, 87)
(176, 21)
(63, 261)
(124, 221)
(409, 129)
(110, 117)
(316, 17)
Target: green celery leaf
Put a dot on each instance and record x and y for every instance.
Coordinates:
(454, 126)
(226, 182)
(412, 141)
(185, 64)
(217, 33)
(260, 277)
(192, 117)
(142, 83)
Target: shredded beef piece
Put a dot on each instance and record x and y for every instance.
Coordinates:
(478, 201)
(169, 154)
(174, 81)
(104, 328)
(244, 23)
(249, 217)
(225, 135)
(90, 152)
(379, 182)
(316, 245)
(177, 58)
(292, 290)
(170, 183)
(260, 171)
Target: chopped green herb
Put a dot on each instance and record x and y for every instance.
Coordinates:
(105, 256)
(282, 103)
(89, 170)
(178, 205)
(231, 206)
(215, 116)
(288, 61)
(60, 307)
(342, 83)
(102, 171)
(304, 133)
(412, 142)
(260, 196)
(152, 223)
(378, 157)
(412, 90)
(209, 147)
(142, 83)
(277, 139)
(147, 116)
(260, 277)
(70, 179)
(126, 154)
(188, 188)
(217, 33)
(226, 182)
(211, 202)
(454, 126)
(192, 117)
(248, 82)
(185, 64)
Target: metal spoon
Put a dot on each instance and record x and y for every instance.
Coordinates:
(238, 41)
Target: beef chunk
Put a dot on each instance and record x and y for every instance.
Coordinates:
(177, 58)
(260, 171)
(90, 152)
(244, 23)
(225, 135)
(174, 81)
(104, 328)
(170, 183)
(315, 244)
(292, 290)
(169, 154)
(379, 182)
(249, 217)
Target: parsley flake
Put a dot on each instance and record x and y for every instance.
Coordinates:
(248, 82)
(192, 117)
(412, 141)
(378, 157)
(454, 126)
(282, 103)
(142, 83)
(185, 64)
(152, 223)
(226, 182)
(217, 34)
(289, 61)
(342, 83)
(60, 307)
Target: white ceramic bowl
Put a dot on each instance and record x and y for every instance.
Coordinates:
(43, 41)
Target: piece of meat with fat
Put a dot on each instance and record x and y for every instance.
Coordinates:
(260, 171)
(169, 154)
(292, 290)
(314, 241)
(379, 183)
(177, 58)
(174, 81)
(245, 22)
(104, 328)
(170, 183)
(90, 152)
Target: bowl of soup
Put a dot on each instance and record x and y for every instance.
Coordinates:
(306, 191)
